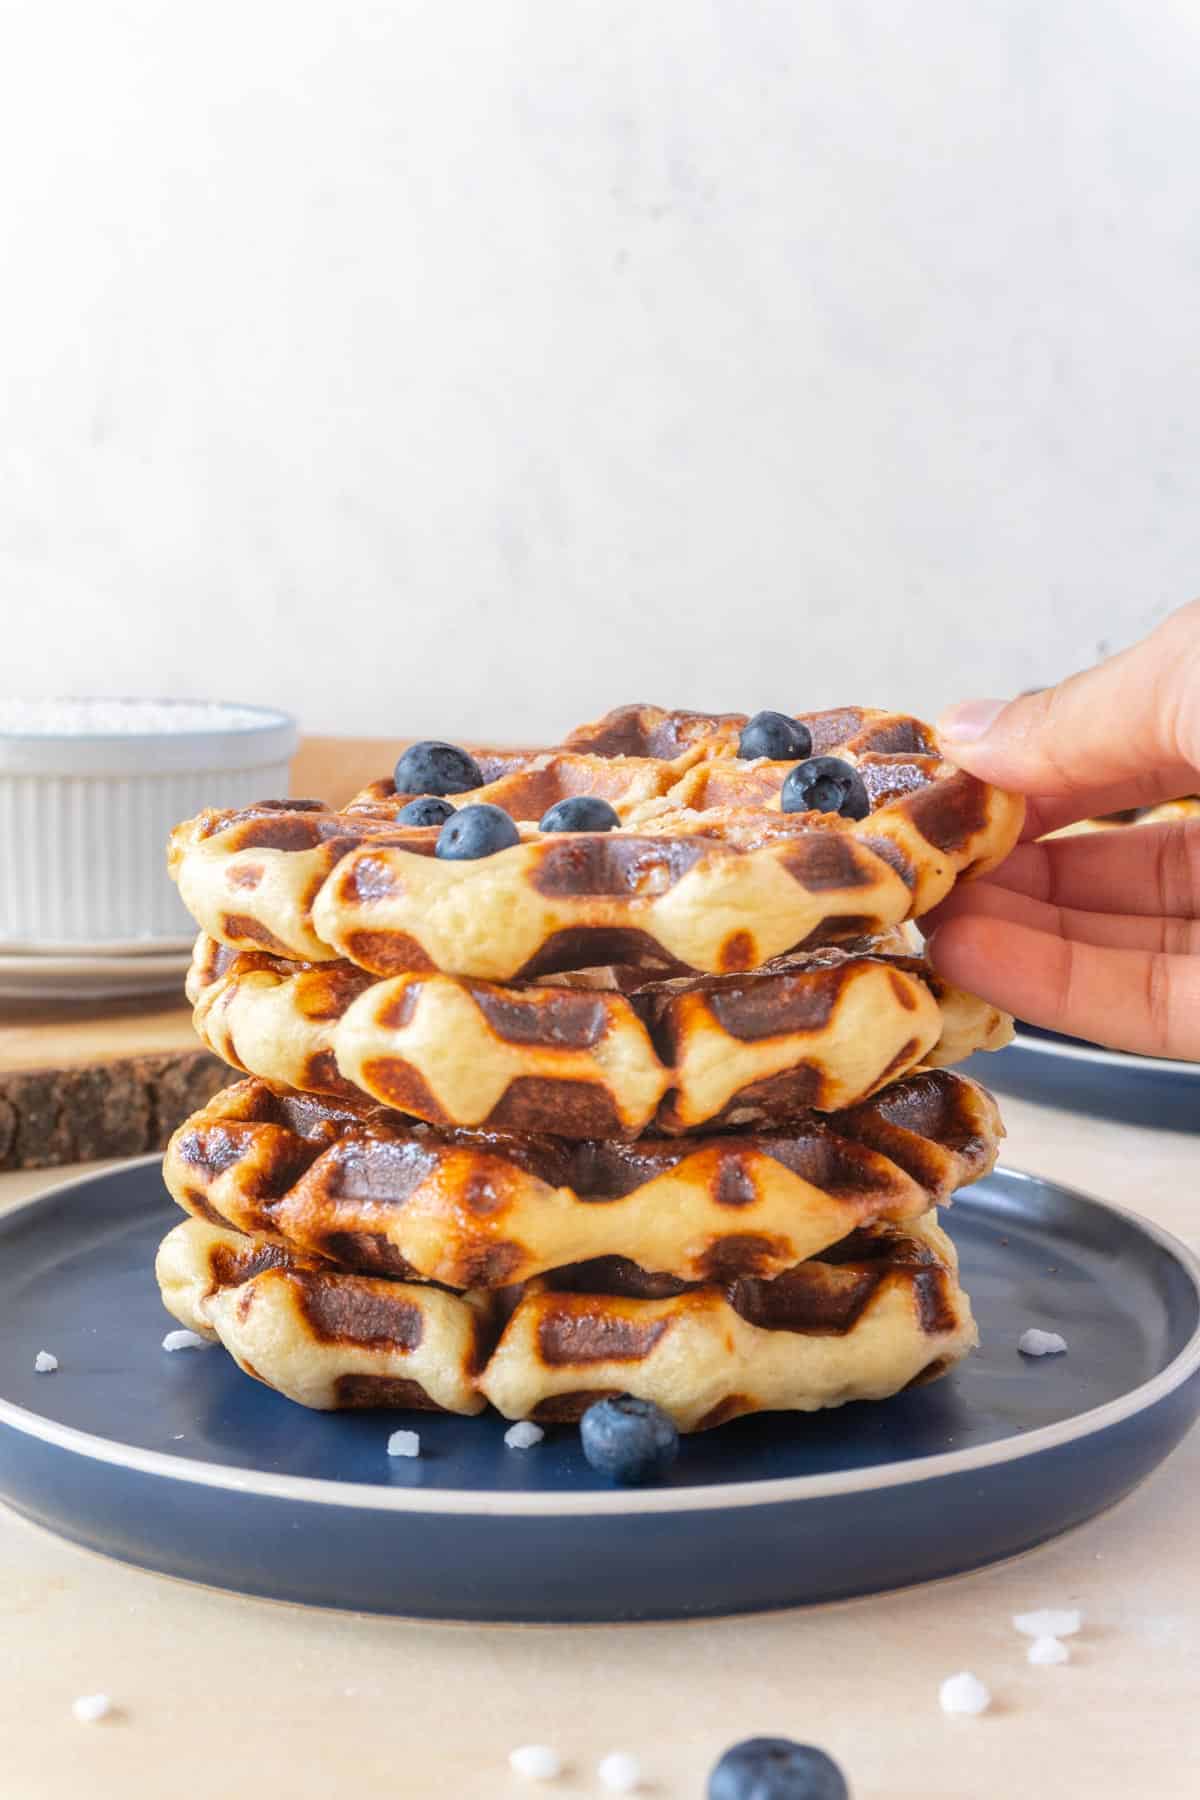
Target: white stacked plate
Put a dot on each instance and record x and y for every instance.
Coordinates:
(55, 972)
(89, 790)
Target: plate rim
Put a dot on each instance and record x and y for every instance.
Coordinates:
(1108, 1059)
(707, 1497)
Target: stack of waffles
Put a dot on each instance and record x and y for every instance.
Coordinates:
(663, 1109)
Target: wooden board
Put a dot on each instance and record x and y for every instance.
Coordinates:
(335, 769)
(79, 1082)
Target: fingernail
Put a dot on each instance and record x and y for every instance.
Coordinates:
(972, 720)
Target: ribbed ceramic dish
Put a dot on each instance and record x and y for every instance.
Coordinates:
(181, 1463)
(85, 812)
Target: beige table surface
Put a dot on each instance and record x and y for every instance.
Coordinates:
(231, 1697)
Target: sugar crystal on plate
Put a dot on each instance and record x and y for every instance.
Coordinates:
(523, 1435)
(185, 1340)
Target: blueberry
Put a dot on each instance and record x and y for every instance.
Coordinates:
(476, 831)
(825, 784)
(432, 768)
(773, 734)
(766, 1768)
(632, 1440)
(582, 812)
(428, 810)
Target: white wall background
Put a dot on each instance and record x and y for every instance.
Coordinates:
(436, 366)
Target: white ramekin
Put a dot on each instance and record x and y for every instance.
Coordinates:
(89, 790)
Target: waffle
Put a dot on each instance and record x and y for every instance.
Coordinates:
(1167, 810)
(823, 1031)
(705, 874)
(366, 1190)
(324, 1339)
(882, 1310)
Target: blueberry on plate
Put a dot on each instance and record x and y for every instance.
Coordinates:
(476, 831)
(433, 768)
(632, 1440)
(580, 812)
(766, 1768)
(428, 810)
(773, 734)
(826, 784)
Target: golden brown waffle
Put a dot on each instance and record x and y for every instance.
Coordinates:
(1164, 813)
(366, 1190)
(636, 753)
(881, 1310)
(642, 730)
(324, 1339)
(822, 1031)
(705, 873)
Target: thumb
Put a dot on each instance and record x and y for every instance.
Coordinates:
(1138, 714)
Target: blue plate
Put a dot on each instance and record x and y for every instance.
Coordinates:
(181, 1463)
(1111, 1084)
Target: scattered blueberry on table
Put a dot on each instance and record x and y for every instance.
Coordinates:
(770, 1768)
(580, 812)
(428, 810)
(476, 831)
(825, 784)
(630, 1439)
(433, 768)
(775, 735)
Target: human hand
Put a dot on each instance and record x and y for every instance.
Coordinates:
(1098, 935)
